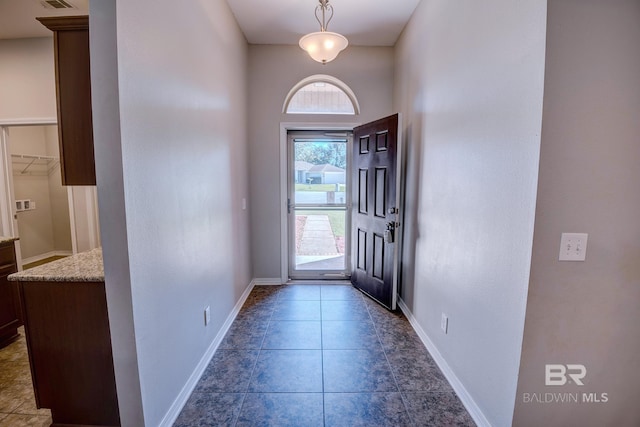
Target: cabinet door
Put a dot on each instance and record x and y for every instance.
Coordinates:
(69, 341)
(8, 297)
(10, 317)
(73, 93)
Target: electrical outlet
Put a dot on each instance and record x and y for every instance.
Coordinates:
(573, 247)
(444, 323)
(207, 315)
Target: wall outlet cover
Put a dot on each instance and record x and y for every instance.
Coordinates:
(573, 247)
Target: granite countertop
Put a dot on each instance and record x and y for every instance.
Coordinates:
(4, 239)
(82, 267)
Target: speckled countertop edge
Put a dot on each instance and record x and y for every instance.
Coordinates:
(5, 239)
(82, 267)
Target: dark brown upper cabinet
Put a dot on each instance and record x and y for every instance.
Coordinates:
(73, 94)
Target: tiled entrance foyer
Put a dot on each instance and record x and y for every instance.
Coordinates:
(321, 355)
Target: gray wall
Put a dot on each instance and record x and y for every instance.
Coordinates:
(587, 312)
(169, 102)
(273, 71)
(469, 80)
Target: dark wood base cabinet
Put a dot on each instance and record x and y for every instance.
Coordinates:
(10, 316)
(69, 343)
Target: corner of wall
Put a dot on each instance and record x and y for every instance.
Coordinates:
(108, 155)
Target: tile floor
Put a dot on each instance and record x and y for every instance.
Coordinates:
(17, 402)
(321, 355)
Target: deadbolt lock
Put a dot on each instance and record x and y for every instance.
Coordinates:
(388, 233)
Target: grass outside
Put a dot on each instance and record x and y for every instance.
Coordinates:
(336, 219)
(320, 187)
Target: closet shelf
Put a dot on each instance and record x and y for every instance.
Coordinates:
(29, 164)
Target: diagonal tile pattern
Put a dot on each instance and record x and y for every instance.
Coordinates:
(17, 401)
(321, 355)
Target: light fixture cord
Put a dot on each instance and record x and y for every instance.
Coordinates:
(324, 7)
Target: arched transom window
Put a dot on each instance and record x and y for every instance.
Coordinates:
(321, 94)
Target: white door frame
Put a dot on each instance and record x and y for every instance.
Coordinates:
(285, 127)
(83, 237)
(8, 224)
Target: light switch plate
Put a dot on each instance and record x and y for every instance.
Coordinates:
(444, 323)
(573, 247)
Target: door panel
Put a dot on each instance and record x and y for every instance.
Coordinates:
(380, 200)
(363, 188)
(375, 153)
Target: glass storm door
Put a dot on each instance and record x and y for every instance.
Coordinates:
(318, 205)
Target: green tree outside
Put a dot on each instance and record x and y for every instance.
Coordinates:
(320, 153)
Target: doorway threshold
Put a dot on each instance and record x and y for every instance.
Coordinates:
(318, 282)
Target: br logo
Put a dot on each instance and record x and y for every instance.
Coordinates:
(557, 374)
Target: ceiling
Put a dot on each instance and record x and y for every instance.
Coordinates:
(17, 17)
(363, 22)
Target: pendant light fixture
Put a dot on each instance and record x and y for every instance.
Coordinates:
(323, 46)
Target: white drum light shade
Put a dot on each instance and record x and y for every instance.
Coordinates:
(323, 46)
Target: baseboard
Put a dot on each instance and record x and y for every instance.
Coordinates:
(177, 406)
(457, 385)
(266, 281)
(45, 255)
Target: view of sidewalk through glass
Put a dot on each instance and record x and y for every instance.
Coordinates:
(320, 201)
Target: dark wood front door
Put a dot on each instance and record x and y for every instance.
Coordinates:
(375, 207)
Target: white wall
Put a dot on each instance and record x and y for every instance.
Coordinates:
(35, 226)
(170, 133)
(273, 71)
(587, 312)
(58, 195)
(469, 80)
(45, 229)
(27, 79)
(86, 224)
